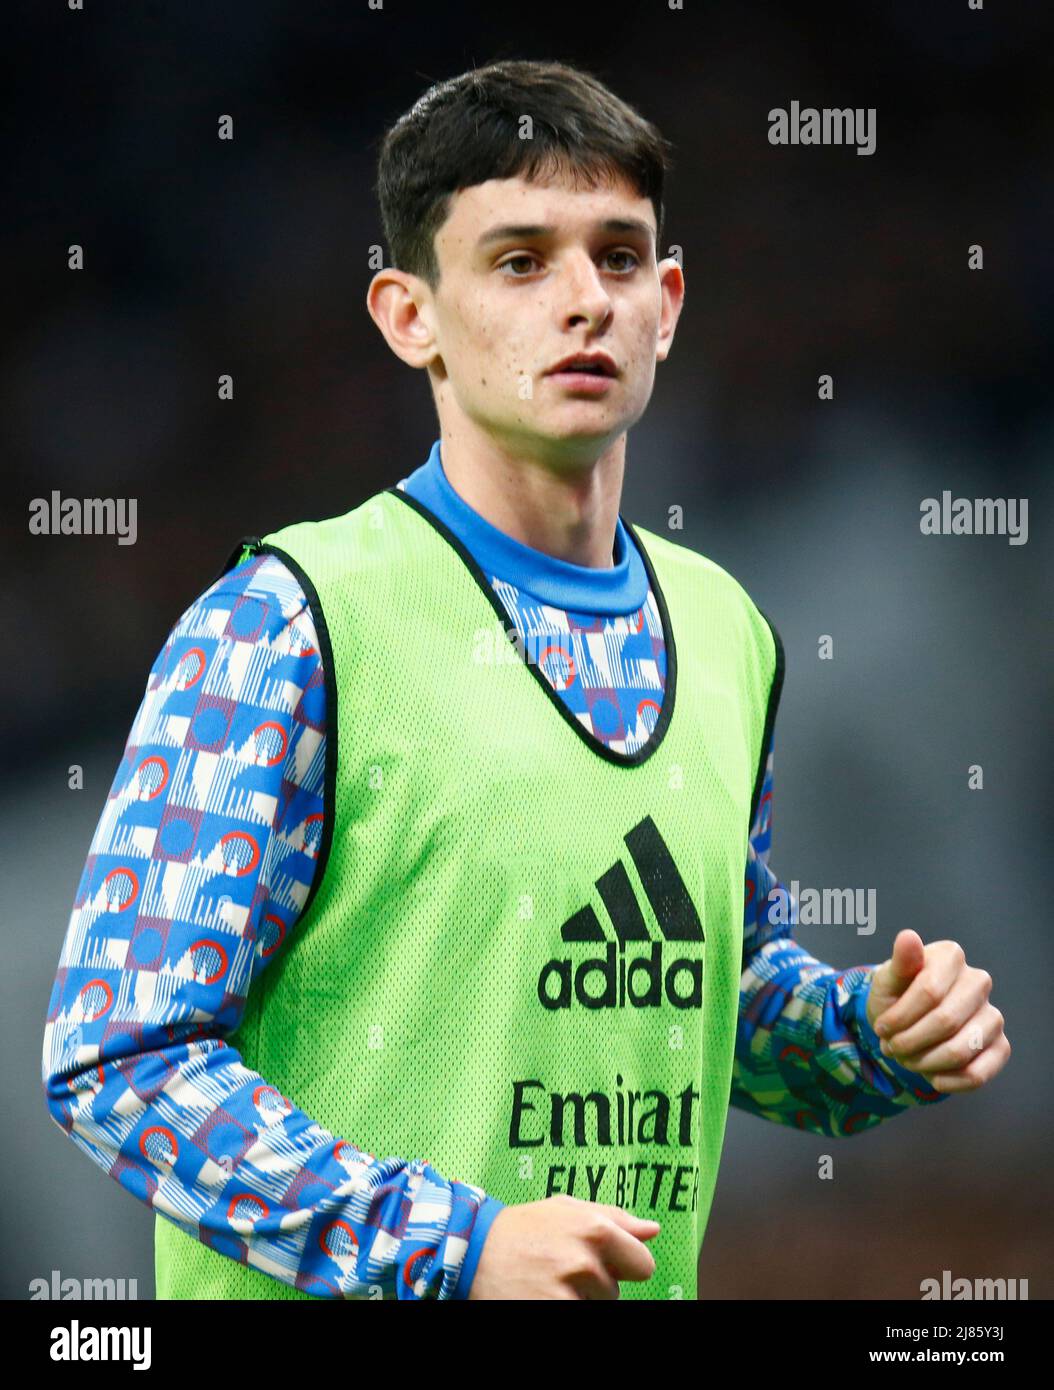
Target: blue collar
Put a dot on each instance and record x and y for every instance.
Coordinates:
(579, 588)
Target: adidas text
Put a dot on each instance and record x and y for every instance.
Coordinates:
(615, 982)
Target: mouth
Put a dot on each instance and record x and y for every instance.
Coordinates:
(586, 376)
(597, 364)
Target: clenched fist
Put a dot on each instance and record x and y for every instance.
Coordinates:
(933, 1014)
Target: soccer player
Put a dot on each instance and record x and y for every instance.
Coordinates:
(413, 956)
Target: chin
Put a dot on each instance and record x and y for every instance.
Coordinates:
(589, 425)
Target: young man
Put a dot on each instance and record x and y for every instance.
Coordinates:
(410, 960)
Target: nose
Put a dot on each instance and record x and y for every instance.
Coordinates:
(583, 293)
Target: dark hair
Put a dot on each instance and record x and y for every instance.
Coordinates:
(466, 130)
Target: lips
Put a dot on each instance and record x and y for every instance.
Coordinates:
(589, 363)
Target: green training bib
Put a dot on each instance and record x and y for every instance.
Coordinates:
(521, 956)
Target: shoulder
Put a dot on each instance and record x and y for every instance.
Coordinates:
(376, 534)
(683, 564)
(731, 611)
(262, 596)
(373, 514)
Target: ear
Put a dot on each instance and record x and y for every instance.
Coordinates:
(401, 306)
(671, 286)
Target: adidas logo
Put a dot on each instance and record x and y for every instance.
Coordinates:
(617, 979)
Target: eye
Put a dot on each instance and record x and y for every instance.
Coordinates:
(634, 261)
(519, 256)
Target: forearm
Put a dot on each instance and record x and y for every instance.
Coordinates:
(805, 1055)
(276, 1190)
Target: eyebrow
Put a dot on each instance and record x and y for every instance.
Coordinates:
(510, 231)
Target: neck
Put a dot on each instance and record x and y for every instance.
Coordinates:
(564, 506)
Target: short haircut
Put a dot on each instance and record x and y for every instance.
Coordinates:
(467, 130)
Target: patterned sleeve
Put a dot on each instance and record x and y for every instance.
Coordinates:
(198, 870)
(805, 1052)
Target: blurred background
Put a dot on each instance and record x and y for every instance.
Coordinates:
(251, 257)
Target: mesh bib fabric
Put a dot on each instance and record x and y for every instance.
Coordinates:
(522, 952)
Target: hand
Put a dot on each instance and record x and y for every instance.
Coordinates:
(932, 1011)
(563, 1248)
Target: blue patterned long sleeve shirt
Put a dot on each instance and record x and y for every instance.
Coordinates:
(216, 813)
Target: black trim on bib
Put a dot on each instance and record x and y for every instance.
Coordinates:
(253, 542)
(770, 716)
(666, 712)
(329, 798)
